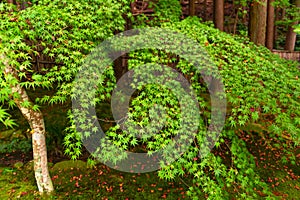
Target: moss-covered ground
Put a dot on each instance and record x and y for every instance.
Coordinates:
(75, 180)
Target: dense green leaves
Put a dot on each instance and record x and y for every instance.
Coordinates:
(259, 99)
(65, 32)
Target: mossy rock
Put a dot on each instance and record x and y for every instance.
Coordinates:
(28, 166)
(6, 135)
(19, 134)
(11, 134)
(50, 164)
(69, 164)
(18, 165)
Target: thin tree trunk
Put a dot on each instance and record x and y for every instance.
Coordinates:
(258, 21)
(270, 25)
(219, 14)
(236, 19)
(205, 10)
(192, 7)
(36, 122)
(278, 12)
(290, 39)
(291, 35)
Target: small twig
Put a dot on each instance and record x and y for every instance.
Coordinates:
(105, 120)
(184, 182)
(113, 121)
(230, 152)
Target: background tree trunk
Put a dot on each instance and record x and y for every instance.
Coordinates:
(291, 36)
(258, 22)
(192, 7)
(36, 122)
(278, 14)
(290, 39)
(205, 10)
(219, 14)
(270, 25)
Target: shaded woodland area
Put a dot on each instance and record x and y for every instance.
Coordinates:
(269, 23)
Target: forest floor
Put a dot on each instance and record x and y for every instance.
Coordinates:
(75, 180)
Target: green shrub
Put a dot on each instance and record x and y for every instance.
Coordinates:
(262, 91)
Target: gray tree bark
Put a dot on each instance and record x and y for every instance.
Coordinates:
(36, 122)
